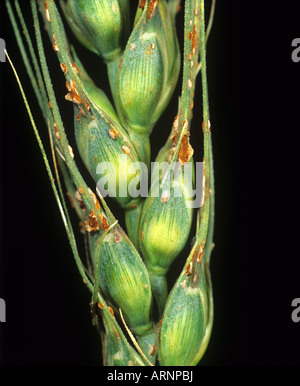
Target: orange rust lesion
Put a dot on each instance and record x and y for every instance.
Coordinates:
(63, 68)
(195, 278)
(185, 151)
(73, 95)
(125, 149)
(117, 335)
(100, 305)
(86, 105)
(103, 221)
(104, 224)
(96, 202)
(50, 105)
(148, 51)
(47, 11)
(206, 127)
(142, 4)
(79, 199)
(92, 225)
(54, 44)
(114, 8)
(188, 268)
(75, 67)
(151, 9)
(200, 253)
(56, 131)
(113, 134)
(194, 39)
(111, 311)
(152, 350)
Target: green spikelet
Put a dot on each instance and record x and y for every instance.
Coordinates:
(167, 213)
(100, 25)
(187, 321)
(124, 280)
(148, 73)
(124, 274)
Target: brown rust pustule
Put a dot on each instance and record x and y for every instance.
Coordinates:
(186, 151)
(104, 224)
(152, 6)
(73, 95)
(188, 269)
(200, 253)
(63, 68)
(142, 4)
(117, 334)
(56, 131)
(54, 44)
(152, 350)
(79, 199)
(74, 65)
(47, 11)
(113, 134)
(194, 39)
(92, 223)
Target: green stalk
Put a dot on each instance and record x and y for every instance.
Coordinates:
(206, 228)
(76, 176)
(190, 61)
(37, 89)
(38, 86)
(50, 175)
(43, 101)
(207, 211)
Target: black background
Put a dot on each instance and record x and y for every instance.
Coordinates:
(254, 102)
